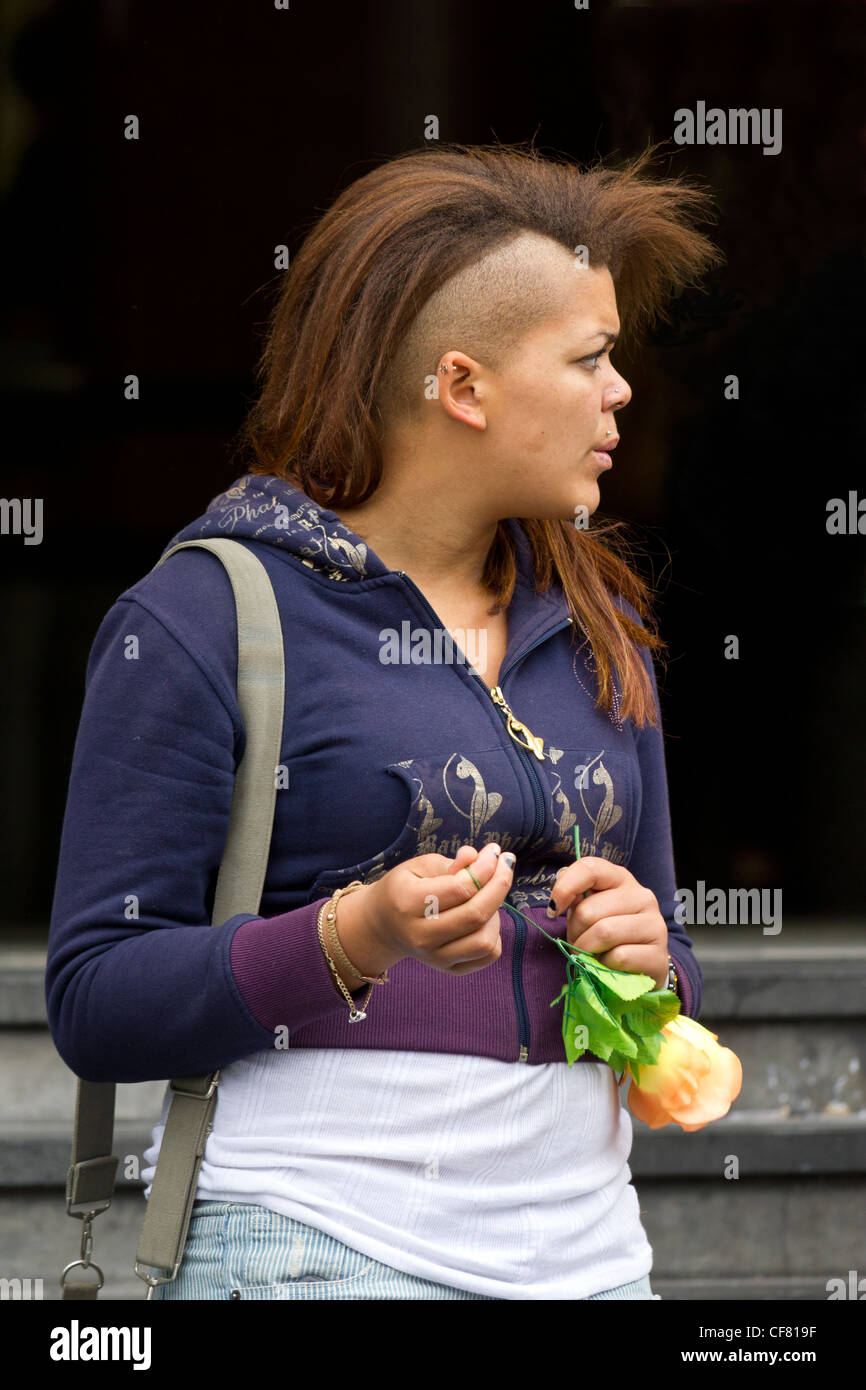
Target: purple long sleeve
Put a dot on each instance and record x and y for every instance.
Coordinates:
(269, 956)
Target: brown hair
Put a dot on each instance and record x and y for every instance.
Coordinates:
(390, 241)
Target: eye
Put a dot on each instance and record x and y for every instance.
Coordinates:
(592, 360)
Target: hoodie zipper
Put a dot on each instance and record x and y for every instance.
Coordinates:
(523, 1034)
(523, 1031)
(534, 745)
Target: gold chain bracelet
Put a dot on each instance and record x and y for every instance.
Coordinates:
(335, 942)
(328, 912)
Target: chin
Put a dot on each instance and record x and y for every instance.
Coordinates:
(588, 502)
(570, 507)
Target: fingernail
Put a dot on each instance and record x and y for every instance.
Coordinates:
(552, 910)
(497, 850)
(509, 859)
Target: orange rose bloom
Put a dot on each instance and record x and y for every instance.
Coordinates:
(694, 1081)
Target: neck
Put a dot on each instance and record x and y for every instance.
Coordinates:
(430, 533)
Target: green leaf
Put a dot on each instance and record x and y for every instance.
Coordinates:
(571, 1019)
(604, 1028)
(650, 1015)
(572, 1051)
(622, 1012)
(623, 983)
(648, 1050)
(613, 1002)
(648, 1055)
(576, 1014)
(570, 1022)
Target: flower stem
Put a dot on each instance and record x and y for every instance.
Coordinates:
(572, 956)
(564, 946)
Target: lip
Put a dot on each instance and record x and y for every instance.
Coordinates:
(604, 447)
(602, 456)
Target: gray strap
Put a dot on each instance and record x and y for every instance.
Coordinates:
(261, 697)
(90, 1179)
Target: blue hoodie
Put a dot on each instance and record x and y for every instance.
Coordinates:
(386, 759)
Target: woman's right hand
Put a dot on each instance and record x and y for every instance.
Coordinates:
(429, 908)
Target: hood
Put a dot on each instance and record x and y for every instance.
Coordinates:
(264, 507)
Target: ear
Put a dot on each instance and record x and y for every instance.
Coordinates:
(459, 392)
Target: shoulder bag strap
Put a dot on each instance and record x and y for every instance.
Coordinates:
(90, 1181)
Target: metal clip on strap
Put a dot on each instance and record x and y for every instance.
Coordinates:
(90, 1178)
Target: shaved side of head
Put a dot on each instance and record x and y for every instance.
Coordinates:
(484, 310)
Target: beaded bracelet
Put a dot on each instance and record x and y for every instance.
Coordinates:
(673, 977)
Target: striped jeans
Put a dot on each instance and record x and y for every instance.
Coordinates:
(237, 1250)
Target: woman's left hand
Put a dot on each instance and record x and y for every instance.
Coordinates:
(619, 922)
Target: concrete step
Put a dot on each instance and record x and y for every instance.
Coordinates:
(761, 1227)
(744, 1290)
(812, 969)
(37, 1086)
(753, 1143)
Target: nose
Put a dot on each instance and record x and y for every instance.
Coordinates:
(617, 394)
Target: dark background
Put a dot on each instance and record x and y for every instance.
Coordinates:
(155, 257)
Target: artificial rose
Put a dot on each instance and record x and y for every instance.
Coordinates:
(693, 1082)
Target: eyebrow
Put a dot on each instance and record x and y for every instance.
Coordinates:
(606, 334)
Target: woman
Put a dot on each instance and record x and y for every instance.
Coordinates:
(394, 1116)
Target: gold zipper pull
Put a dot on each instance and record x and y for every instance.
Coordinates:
(535, 744)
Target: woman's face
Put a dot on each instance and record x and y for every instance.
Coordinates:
(551, 406)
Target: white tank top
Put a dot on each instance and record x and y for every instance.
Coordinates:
(496, 1177)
